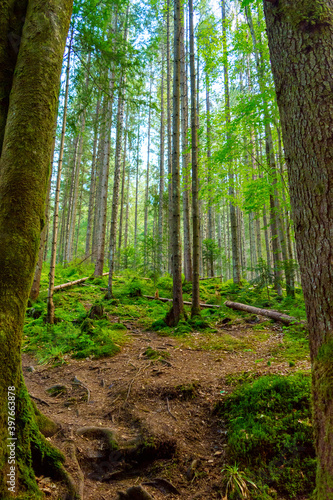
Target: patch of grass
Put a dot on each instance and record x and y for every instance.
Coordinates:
(295, 345)
(213, 342)
(54, 343)
(270, 431)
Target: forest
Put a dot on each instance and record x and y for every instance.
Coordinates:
(166, 253)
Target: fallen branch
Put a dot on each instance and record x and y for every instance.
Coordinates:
(39, 400)
(186, 303)
(72, 283)
(284, 318)
(210, 278)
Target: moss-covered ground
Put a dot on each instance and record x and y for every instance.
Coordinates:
(264, 403)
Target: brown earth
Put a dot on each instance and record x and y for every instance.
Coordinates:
(160, 413)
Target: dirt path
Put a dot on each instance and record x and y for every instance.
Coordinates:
(160, 413)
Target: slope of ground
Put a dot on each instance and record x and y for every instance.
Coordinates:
(146, 416)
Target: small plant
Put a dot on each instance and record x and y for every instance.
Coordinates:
(237, 483)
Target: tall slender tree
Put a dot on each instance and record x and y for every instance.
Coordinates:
(177, 309)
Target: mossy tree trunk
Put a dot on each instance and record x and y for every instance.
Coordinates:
(24, 176)
(12, 13)
(301, 50)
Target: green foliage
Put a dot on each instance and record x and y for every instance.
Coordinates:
(237, 486)
(270, 431)
(135, 288)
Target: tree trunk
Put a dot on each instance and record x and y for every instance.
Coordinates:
(92, 191)
(50, 304)
(12, 14)
(24, 177)
(169, 264)
(104, 181)
(195, 311)
(161, 184)
(235, 243)
(122, 200)
(185, 160)
(136, 191)
(300, 43)
(209, 178)
(127, 216)
(145, 256)
(116, 181)
(177, 309)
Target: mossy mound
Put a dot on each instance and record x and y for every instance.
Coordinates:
(270, 432)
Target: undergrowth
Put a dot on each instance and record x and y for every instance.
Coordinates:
(270, 433)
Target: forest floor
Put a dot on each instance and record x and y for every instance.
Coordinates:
(147, 416)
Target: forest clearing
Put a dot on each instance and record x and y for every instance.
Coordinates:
(166, 252)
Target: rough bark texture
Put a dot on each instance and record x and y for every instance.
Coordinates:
(12, 13)
(301, 49)
(161, 186)
(116, 183)
(185, 161)
(25, 169)
(177, 309)
(92, 190)
(104, 181)
(195, 178)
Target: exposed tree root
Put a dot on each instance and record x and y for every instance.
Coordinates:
(78, 486)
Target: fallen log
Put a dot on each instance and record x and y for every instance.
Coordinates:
(73, 283)
(284, 318)
(210, 278)
(186, 303)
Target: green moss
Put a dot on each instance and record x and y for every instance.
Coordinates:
(270, 431)
(188, 391)
(307, 14)
(118, 326)
(155, 354)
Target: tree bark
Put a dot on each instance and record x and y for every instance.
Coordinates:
(50, 304)
(300, 42)
(177, 309)
(12, 14)
(145, 256)
(104, 181)
(161, 183)
(116, 181)
(235, 243)
(24, 177)
(92, 190)
(169, 264)
(122, 198)
(195, 311)
(284, 318)
(185, 159)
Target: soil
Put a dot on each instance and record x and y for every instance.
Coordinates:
(160, 413)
